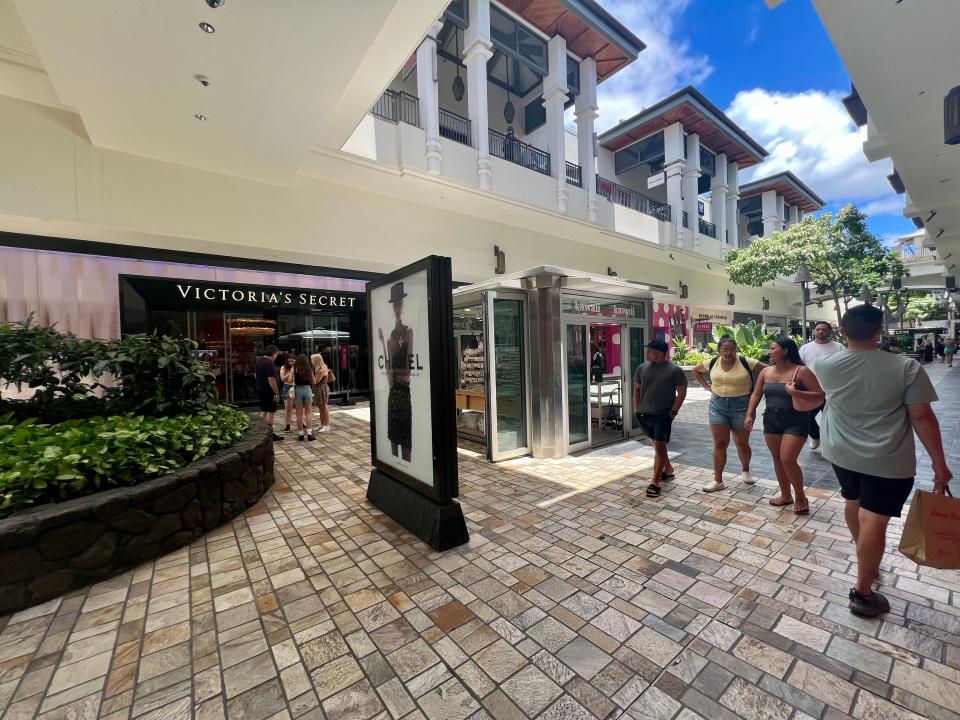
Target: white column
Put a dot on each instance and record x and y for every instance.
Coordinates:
(585, 113)
(691, 176)
(769, 213)
(733, 207)
(781, 212)
(554, 97)
(477, 51)
(429, 97)
(799, 214)
(673, 168)
(718, 198)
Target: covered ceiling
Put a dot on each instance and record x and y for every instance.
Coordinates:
(904, 57)
(284, 76)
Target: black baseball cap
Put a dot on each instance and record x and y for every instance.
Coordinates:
(658, 344)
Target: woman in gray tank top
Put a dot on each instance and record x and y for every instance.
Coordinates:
(784, 428)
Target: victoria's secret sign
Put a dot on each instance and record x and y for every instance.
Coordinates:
(166, 294)
(262, 296)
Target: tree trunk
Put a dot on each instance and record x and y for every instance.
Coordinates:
(836, 303)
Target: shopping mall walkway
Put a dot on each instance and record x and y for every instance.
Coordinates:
(577, 597)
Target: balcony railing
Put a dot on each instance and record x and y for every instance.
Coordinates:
(454, 127)
(515, 151)
(398, 107)
(632, 199)
(574, 175)
(922, 257)
(707, 228)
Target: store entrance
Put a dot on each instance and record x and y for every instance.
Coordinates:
(601, 361)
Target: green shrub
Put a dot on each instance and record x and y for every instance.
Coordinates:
(42, 463)
(682, 355)
(752, 338)
(72, 377)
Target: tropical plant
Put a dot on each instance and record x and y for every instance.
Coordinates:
(42, 463)
(752, 338)
(683, 355)
(72, 377)
(842, 254)
(921, 308)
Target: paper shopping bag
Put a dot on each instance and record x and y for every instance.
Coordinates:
(931, 535)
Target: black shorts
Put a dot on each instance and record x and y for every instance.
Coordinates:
(656, 425)
(786, 421)
(883, 496)
(268, 403)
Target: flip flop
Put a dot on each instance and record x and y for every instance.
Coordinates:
(653, 491)
(777, 502)
(666, 476)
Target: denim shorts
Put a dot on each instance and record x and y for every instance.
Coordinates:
(730, 411)
(303, 395)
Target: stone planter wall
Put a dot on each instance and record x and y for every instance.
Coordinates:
(52, 549)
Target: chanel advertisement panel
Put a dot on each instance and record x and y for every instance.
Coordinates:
(412, 403)
(399, 316)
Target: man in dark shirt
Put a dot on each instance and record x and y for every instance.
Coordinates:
(268, 385)
(659, 389)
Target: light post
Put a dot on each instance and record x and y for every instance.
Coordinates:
(803, 277)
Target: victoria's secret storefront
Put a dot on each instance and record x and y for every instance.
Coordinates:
(232, 322)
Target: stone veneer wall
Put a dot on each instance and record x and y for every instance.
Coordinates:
(49, 550)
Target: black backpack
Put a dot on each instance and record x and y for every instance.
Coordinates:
(743, 361)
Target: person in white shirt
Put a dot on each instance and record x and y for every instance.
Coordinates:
(823, 345)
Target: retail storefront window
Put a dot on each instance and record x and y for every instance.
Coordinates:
(233, 323)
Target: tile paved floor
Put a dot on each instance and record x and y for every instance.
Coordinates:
(577, 597)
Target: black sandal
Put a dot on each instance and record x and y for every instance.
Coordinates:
(666, 476)
(653, 491)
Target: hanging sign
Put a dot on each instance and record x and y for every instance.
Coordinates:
(656, 179)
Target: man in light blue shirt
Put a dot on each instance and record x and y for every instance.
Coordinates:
(875, 403)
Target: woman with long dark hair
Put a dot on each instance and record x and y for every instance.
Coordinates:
(784, 427)
(304, 380)
(397, 352)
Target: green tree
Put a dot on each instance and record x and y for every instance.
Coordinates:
(921, 308)
(841, 252)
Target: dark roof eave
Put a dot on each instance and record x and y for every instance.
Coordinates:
(791, 179)
(591, 12)
(688, 93)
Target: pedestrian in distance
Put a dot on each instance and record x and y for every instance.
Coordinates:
(267, 384)
(876, 402)
(730, 378)
(321, 390)
(304, 380)
(949, 349)
(659, 389)
(784, 427)
(822, 345)
(286, 389)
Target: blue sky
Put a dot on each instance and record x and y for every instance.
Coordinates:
(776, 73)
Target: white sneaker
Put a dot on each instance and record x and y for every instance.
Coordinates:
(325, 428)
(747, 478)
(814, 443)
(714, 486)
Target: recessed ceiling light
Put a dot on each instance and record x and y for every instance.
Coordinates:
(201, 117)
(203, 80)
(215, 3)
(945, 180)
(207, 28)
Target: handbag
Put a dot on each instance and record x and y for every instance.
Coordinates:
(803, 404)
(291, 392)
(931, 534)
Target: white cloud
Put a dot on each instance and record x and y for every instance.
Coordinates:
(811, 134)
(666, 65)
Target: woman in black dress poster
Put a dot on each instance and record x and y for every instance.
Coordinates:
(397, 352)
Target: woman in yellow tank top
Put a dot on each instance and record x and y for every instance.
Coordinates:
(729, 378)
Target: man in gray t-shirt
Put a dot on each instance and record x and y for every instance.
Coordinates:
(659, 389)
(875, 403)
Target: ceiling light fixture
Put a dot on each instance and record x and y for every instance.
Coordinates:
(207, 28)
(203, 80)
(216, 3)
(201, 117)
